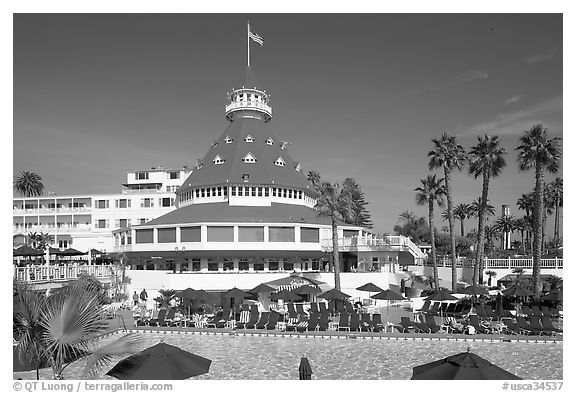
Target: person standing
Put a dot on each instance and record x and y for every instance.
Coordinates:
(135, 298)
(144, 296)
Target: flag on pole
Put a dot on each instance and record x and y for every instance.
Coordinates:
(256, 38)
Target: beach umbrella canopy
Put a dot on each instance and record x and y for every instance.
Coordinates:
(441, 295)
(285, 295)
(188, 293)
(236, 293)
(306, 290)
(516, 290)
(305, 370)
(465, 365)
(25, 251)
(334, 294)
(557, 295)
(262, 288)
(71, 252)
(475, 290)
(388, 295)
(370, 288)
(161, 362)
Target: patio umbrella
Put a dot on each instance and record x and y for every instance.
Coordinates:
(262, 288)
(285, 295)
(25, 251)
(441, 295)
(306, 290)
(236, 293)
(369, 287)
(475, 290)
(557, 295)
(334, 294)
(305, 370)
(187, 293)
(388, 295)
(516, 290)
(26, 364)
(161, 362)
(465, 365)
(71, 252)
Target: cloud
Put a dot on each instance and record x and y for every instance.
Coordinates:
(464, 77)
(514, 123)
(513, 99)
(542, 56)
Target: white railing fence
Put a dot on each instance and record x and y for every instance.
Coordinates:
(503, 263)
(37, 274)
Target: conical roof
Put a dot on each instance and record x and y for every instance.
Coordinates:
(245, 138)
(248, 81)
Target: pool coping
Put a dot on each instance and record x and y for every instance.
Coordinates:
(396, 336)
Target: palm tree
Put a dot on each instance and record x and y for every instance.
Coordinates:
(314, 178)
(505, 224)
(548, 207)
(558, 195)
(486, 160)
(475, 208)
(516, 245)
(520, 226)
(335, 202)
(490, 274)
(462, 212)
(491, 233)
(28, 184)
(407, 217)
(431, 192)
(449, 155)
(51, 329)
(537, 151)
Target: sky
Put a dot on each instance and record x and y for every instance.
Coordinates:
(358, 95)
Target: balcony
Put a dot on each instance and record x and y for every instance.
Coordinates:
(46, 210)
(509, 263)
(52, 229)
(249, 105)
(42, 274)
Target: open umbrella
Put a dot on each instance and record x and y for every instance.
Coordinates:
(188, 293)
(557, 295)
(262, 288)
(236, 293)
(465, 365)
(516, 290)
(306, 290)
(441, 295)
(388, 295)
(334, 294)
(72, 252)
(26, 251)
(26, 364)
(475, 290)
(369, 287)
(285, 295)
(160, 362)
(305, 370)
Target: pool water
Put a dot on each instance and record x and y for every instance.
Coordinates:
(258, 357)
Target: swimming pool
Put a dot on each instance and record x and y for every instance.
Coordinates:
(260, 357)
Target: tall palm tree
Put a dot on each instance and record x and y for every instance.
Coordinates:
(505, 224)
(28, 184)
(539, 152)
(558, 196)
(526, 204)
(314, 178)
(462, 212)
(486, 160)
(548, 209)
(431, 192)
(448, 155)
(334, 201)
(491, 233)
(66, 324)
(475, 208)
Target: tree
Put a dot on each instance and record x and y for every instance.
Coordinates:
(431, 192)
(448, 155)
(490, 274)
(491, 233)
(475, 208)
(516, 246)
(28, 184)
(314, 178)
(558, 196)
(536, 151)
(360, 215)
(486, 160)
(50, 329)
(413, 227)
(333, 201)
(520, 225)
(548, 209)
(461, 212)
(505, 224)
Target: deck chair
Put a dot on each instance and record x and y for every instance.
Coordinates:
(458, 307)
(292, 324)
(243, 319)
(314, 308)
(474, 321)
(292, 311)
(452, 326)
(536, 325)
(444, 308)
(481, 312)
(302, 324)
(263, 320)
(300, 310)
(349, 307)
(434, 309)
(365, 323)
(211, 323)
(377, 324)
(354, 322)
(431, 322)
(405, 325)
(323, 307)
(465, 311)
(536, 311)
(555, 313)
(547, 323)
(420, 327)
(225, 319)
(160, 320)
(272, 320)
(344, 323)
(252, 321)
(450, 309)
(526, 310)
(313, 322)
(525, 327)
(511, 327)
(546, 311)
(425, 307)
(169, 319)
(490, 312)
(323, 322)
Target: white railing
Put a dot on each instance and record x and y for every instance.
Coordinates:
(388, 242)
(39, 274)
(144, 191)
(52, 229)
(503, 263)
(251, 104)
(47, 210)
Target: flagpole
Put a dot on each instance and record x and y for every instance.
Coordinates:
(248, 36)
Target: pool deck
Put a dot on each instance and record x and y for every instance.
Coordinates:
(331, 334)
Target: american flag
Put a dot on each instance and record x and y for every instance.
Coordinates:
(256, 38)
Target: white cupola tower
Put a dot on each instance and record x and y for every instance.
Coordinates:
(248, 100)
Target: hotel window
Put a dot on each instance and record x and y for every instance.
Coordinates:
(250, 234)
(129, 239)
(213, 191)
(288, 265)
(309, 235)
(212, 266)
(239, 190)
(208, 193)
(259, 191)
(228, 265)
(243, 265)
(281, 234)
(144, 236)
(284, 192)
(197, 193)
(269, 141)
(315, 264)
(174, 175)
(123, 223)
(220, 234)
(141, 175)
(374, 259)
(196, 265)
(273, 264)
(253, 191)
(266, 191)
(246, 191)
(100, 204)
(280, 162)
(249, 139)
(225, 191)
(259, 266)
(219, 191)
(299, 194)
(167, 202)
(101, 224)
(166, 235)
(228, 140)
(289, 193)
(203, 192)
(147, 202)
(249, 159)
(190, 234)
(273, 191)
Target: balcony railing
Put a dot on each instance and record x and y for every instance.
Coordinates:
(251, 104)
(509, 263)
(47, 210)
(40, 274)
(52, 229)
(385, 243)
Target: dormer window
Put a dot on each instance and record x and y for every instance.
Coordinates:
(298, 167)
(228, 140)
(218, 160)
(280, 162)
(249, 139)
(269, 141)
(249, 158)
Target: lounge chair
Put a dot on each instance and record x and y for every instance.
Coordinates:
(243, 319)
(491, 313)
(511, 327)
(225, 319)
(354, 322)
(273, 320)
(536, 311)
(303, 324)
(377, 325)
(420, 326)
(555, 313)
(344, 323)
(452, 326)
(160, 320)
(211, 323)
(169, 319)
(481, 312)
(405, 325)
(523, 324)
(314, 308)
(464, 311)
(349, 307)
(547, 323)
(537, 325)
(254, 318)
(323, 308)
(425, 307)
(300, 310)
(292, 313)
(292, 324)
(434, 309)
(526, 310)
(432, 325)
(450, 310)
(365, 323)
(263, 320)
(324, 321)
(313, 322)
(474, 321)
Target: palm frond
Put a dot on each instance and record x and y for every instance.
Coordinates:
(103, 355)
